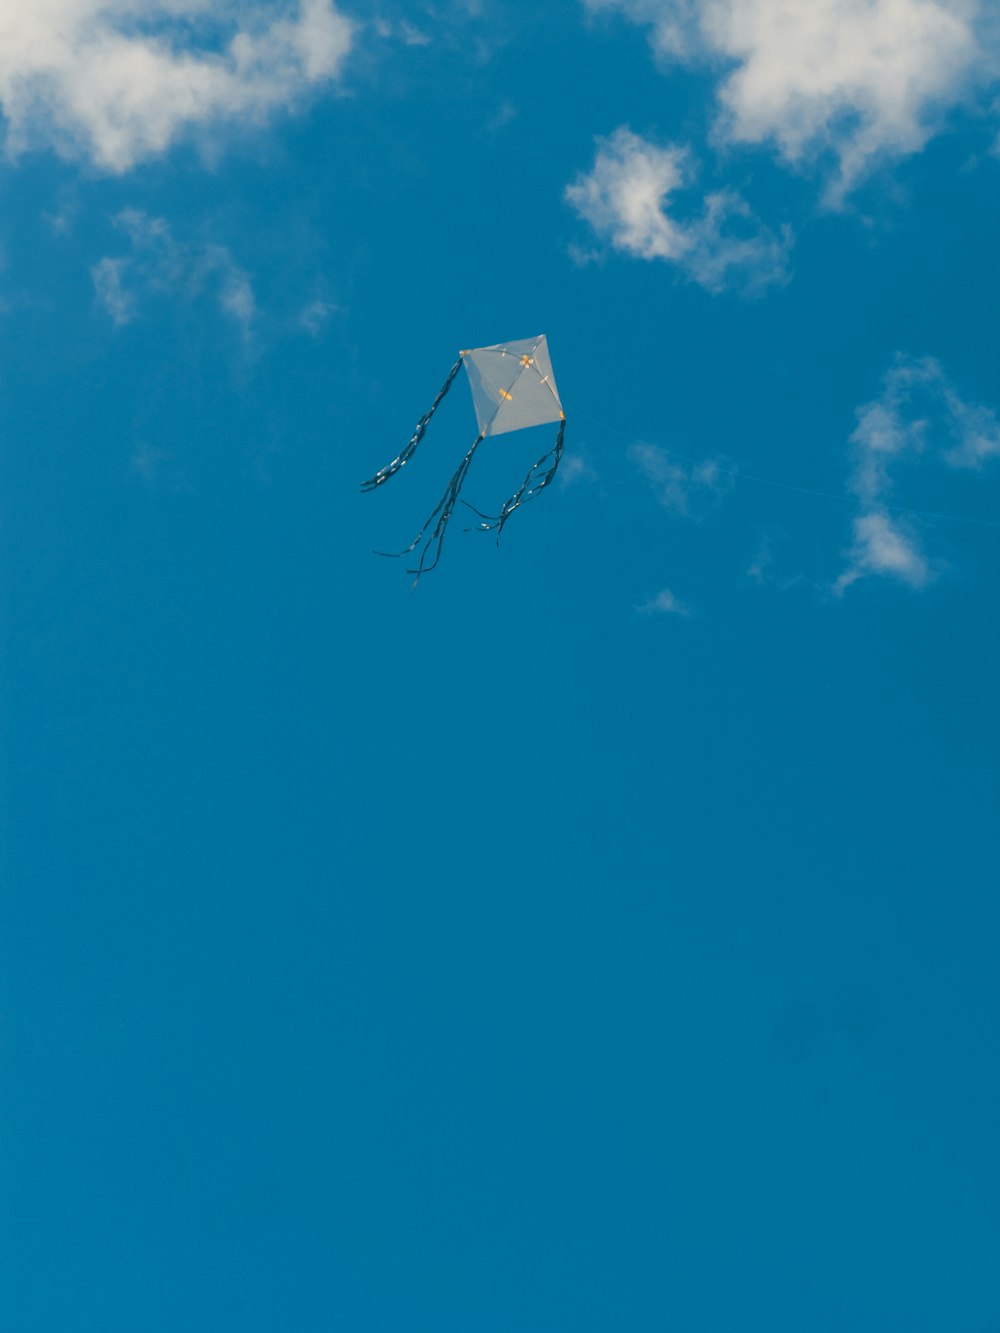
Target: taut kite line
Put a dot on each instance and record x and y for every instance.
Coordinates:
(512, 387)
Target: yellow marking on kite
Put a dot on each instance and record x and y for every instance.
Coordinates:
(505, 394)
(526, 361)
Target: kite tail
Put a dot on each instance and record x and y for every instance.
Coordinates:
(539, 475)
(390, 469)
(438, 520)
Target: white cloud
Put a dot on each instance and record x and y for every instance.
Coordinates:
(403, 31)
(315, 316)
(882, 546)
(975, 431)
(235, 293)
(576, 468)
(760, 566)
(624, 199)
(160, 264)
(158, 468)
(775, 566)
(107, 276)
(889, 429)
(733, 247)
(118, 81)
(664, 603)
(862, 79)
(919, 411)
(505, 114)
(623, 196)
(685, 489)
(919, 414)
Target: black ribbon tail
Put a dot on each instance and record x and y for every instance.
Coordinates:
(539, 475)
(438, 520)
(410, 448)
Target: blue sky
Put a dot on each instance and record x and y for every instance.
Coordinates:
(601, 936)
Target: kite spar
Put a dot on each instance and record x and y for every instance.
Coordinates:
(513, 387)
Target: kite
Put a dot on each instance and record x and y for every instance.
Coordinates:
(512, 387)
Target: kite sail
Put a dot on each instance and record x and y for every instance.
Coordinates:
(512, 387)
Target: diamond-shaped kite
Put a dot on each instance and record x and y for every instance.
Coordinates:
(512, 387)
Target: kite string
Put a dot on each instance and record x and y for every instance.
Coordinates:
(788, 486)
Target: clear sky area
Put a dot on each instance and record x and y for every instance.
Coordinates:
(600, 936)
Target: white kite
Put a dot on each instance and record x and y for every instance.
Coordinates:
(512, 387)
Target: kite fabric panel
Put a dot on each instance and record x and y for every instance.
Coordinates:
(513, 387)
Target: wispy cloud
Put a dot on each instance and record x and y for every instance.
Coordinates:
(863, 80)
(625, 199)
(882, 545)
(505, 114)
(975, 431)
(401, 30)
(110, 289)
(918, 414)
(157, 468)
(576, 468)
(764, 569)
(119, 81)
(664, 603)
(315, 316)
(160, 264)
(688, 490)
